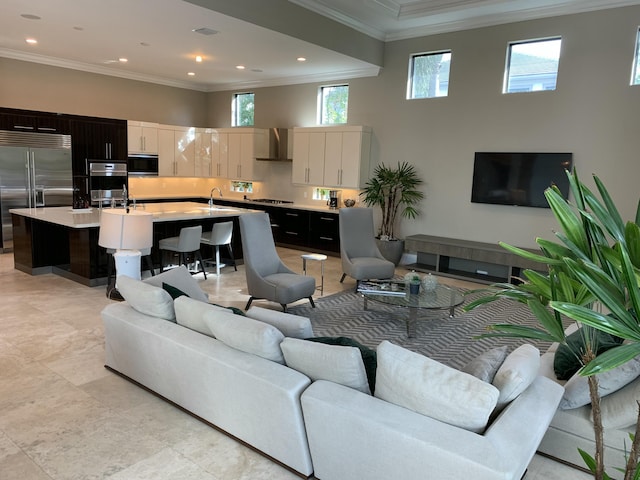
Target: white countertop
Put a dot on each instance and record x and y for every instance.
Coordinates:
(162, 212)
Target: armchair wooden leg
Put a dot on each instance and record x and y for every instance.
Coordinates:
(313, 305)
(284, 307)
(342, 278)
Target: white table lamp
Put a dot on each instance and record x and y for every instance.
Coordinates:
(127, 233)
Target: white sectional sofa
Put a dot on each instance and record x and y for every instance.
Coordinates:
(572, 428)
(238, 382)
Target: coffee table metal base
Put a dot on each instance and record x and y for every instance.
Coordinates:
(450, 296)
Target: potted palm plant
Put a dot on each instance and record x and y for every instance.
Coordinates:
(594, 267)
(395, 191)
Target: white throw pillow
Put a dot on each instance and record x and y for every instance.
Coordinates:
(190, 313)
(290, 325)
(180, 278)
(516, 373)
(486, 365)
(576, 390)
(430, 388)
(246, 334)
(319, 361)
(147, 299)
(620, 408)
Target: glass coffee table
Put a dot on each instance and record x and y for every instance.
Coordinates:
(442, 298)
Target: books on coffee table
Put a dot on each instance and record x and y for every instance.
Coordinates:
(396, 288)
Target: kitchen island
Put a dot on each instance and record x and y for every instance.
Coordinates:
(65, 241)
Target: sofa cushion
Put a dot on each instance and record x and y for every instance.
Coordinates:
(576, 390)
(516, 373)
(568, 357)
(335, 363)
(486, 365)
(430, 388)
(620, 408)
(147, 299)
(368, 355)
(190, 313)
(290, 325)
(180, 278)
(246, 334)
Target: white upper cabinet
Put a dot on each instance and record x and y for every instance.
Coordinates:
(332, 156)
(176, 151)
(308, 157)
(203, 153)
(219, 154)
(244, 145)
(142, 137)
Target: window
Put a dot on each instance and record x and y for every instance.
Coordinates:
(242, 110)
(246, 187)
(532, 66)
(333, 104)
(429, 75)
(635, 75)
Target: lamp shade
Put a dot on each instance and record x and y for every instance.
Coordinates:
(125, 231)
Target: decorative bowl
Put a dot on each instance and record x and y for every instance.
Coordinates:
(429, 282)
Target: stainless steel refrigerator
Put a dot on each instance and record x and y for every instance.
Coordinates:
(35, 171)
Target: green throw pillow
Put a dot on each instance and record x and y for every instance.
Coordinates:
(567, 359)
(368, 355)
(235, 310)
(173, 291)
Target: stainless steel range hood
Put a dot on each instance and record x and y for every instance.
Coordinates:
(280, 146)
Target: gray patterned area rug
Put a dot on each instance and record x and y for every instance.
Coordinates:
(448, 340)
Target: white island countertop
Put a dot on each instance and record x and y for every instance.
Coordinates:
(162, 212)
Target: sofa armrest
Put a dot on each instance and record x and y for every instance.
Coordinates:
(519, 428)
(353, 435)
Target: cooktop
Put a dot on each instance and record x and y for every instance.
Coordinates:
(270, 200)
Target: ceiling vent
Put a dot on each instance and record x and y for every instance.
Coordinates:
(205, 31)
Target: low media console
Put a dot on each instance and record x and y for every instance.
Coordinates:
(476, 261)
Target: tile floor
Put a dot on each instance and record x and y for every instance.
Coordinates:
(63, 416)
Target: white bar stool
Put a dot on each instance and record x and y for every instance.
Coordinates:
(317, 257)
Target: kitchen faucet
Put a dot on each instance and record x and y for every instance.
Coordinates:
(211, 195)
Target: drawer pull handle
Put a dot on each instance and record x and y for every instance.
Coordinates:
(291, 233)
(292, 214)
(329, 219)
(326, 238)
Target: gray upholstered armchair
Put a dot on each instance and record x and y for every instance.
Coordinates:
(267, 277)
(361, 258)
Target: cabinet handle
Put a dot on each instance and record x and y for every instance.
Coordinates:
(47, 129)
(291, 233)
(329, 239)
(23, 127)
(292, 214)
(329, 219)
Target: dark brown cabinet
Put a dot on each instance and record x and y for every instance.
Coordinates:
(100, 139)
(324, 232)
(34, 122)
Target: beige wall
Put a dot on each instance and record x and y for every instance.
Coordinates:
(593, 113)
(32, 86)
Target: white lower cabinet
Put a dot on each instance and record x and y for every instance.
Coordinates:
(331, 156)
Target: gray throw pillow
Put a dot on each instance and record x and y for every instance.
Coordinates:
(486, 365)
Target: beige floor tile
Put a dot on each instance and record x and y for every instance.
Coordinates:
(64, 416)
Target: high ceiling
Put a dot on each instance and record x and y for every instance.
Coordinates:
(159, 41)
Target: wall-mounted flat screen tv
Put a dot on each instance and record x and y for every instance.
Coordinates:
(506, 178)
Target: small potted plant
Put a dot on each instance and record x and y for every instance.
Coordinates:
(414, 281)
(394, 190)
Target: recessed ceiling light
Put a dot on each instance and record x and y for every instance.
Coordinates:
(29, 16)
(257, 70)
(78, 28)
(145, 44)
(301, 59)
(123, 60)
(191, 74)
(240, 67)
(205, 31)
(31, 41)
(198, 58)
